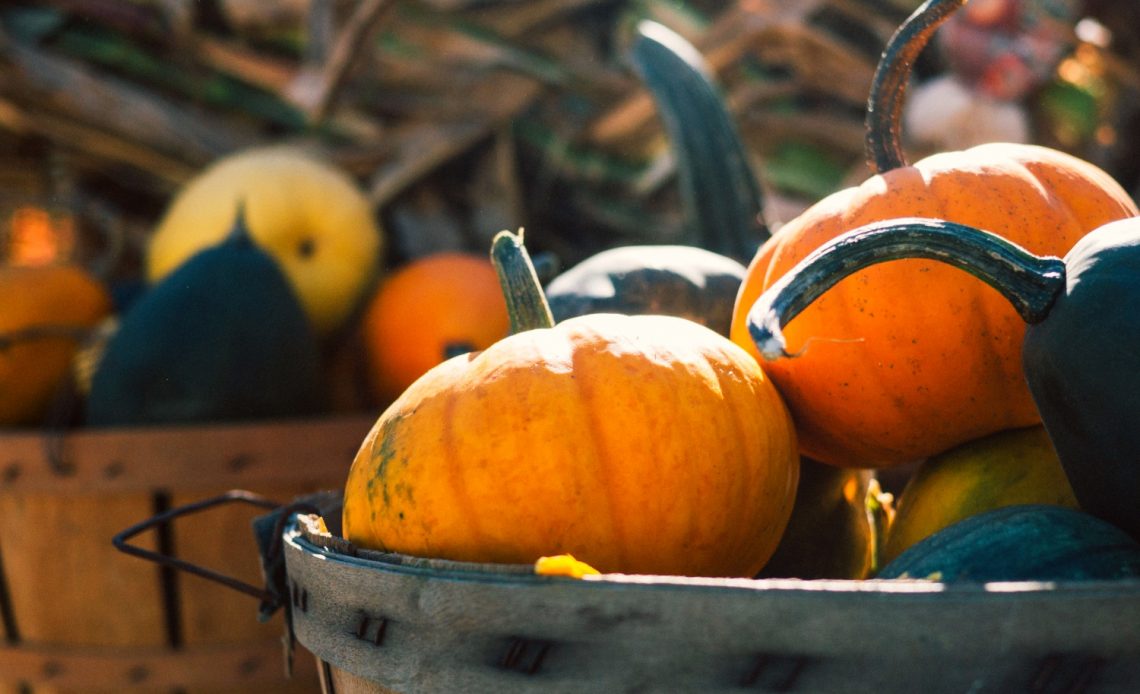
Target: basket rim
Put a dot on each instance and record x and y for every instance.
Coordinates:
(426, 625)
(302, 534)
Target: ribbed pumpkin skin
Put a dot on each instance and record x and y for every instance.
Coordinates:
(1025, 542)
(31, 370)
(911, 358)
(644, 444)
(441, 301)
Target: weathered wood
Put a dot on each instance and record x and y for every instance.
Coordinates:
(187, 458)
(72, 593)
(212, 614)
(250, 666)
(67, 584)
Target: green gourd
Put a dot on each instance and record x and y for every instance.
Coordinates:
(1079, 354)
(683, 281)
(1026, 542)
(221, 338)
(721, 199)
(1011, 467)
(721, 204)
(830, 533)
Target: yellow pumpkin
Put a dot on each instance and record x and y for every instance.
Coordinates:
(309, 215)
(1018, 466)
(48, 310)
(638, 444)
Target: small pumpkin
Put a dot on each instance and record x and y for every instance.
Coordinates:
(1025, 542)
(1079, 355)
(1018, 466)
(308, 214)
(427, 311)
(49, 310)
(884, 355)
(645, 444)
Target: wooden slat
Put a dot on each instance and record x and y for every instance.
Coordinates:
(255, 667)
(69, 587)
(67, 584)
(248, 456)
(344, 682)
(222, 539)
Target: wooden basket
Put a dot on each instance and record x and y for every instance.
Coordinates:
(384, 622)
(77, 615)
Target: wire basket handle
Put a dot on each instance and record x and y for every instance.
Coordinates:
(270, 596)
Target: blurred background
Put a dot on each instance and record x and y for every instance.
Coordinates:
(463, 117)
(460, 118)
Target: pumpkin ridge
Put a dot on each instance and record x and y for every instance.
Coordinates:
(665, 355)
(761, 443)
(454, 470)
(747, 481)
(583, 382)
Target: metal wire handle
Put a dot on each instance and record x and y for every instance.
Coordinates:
(266, 596)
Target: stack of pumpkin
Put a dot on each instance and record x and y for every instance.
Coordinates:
(639, 443)
(652, 444)
(260, 268)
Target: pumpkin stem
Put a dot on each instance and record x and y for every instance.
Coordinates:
(526, 302)
(239, 234)
(883, 139)
(723, 203)
(1030, 282)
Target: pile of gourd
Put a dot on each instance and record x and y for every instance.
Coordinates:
(652, 444)
(263, 282)
(718, 411)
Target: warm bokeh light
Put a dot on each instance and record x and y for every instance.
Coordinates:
(36, 236)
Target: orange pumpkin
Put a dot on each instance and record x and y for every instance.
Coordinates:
(909, 359)
(48, 309)
(643, 444)
(429, 310)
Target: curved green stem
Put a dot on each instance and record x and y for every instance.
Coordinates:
(722, 200)
(883, 139)
(1030, 282)
(526, 302)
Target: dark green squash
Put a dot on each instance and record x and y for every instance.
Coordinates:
(683, 281)
(1079, 354)
(1027, 542)
(830, 533)
(721, 204)
(721, 198)
(222, 338)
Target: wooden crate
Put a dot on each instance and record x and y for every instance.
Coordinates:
(77, 615)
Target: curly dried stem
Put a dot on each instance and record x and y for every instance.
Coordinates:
(883, 138)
